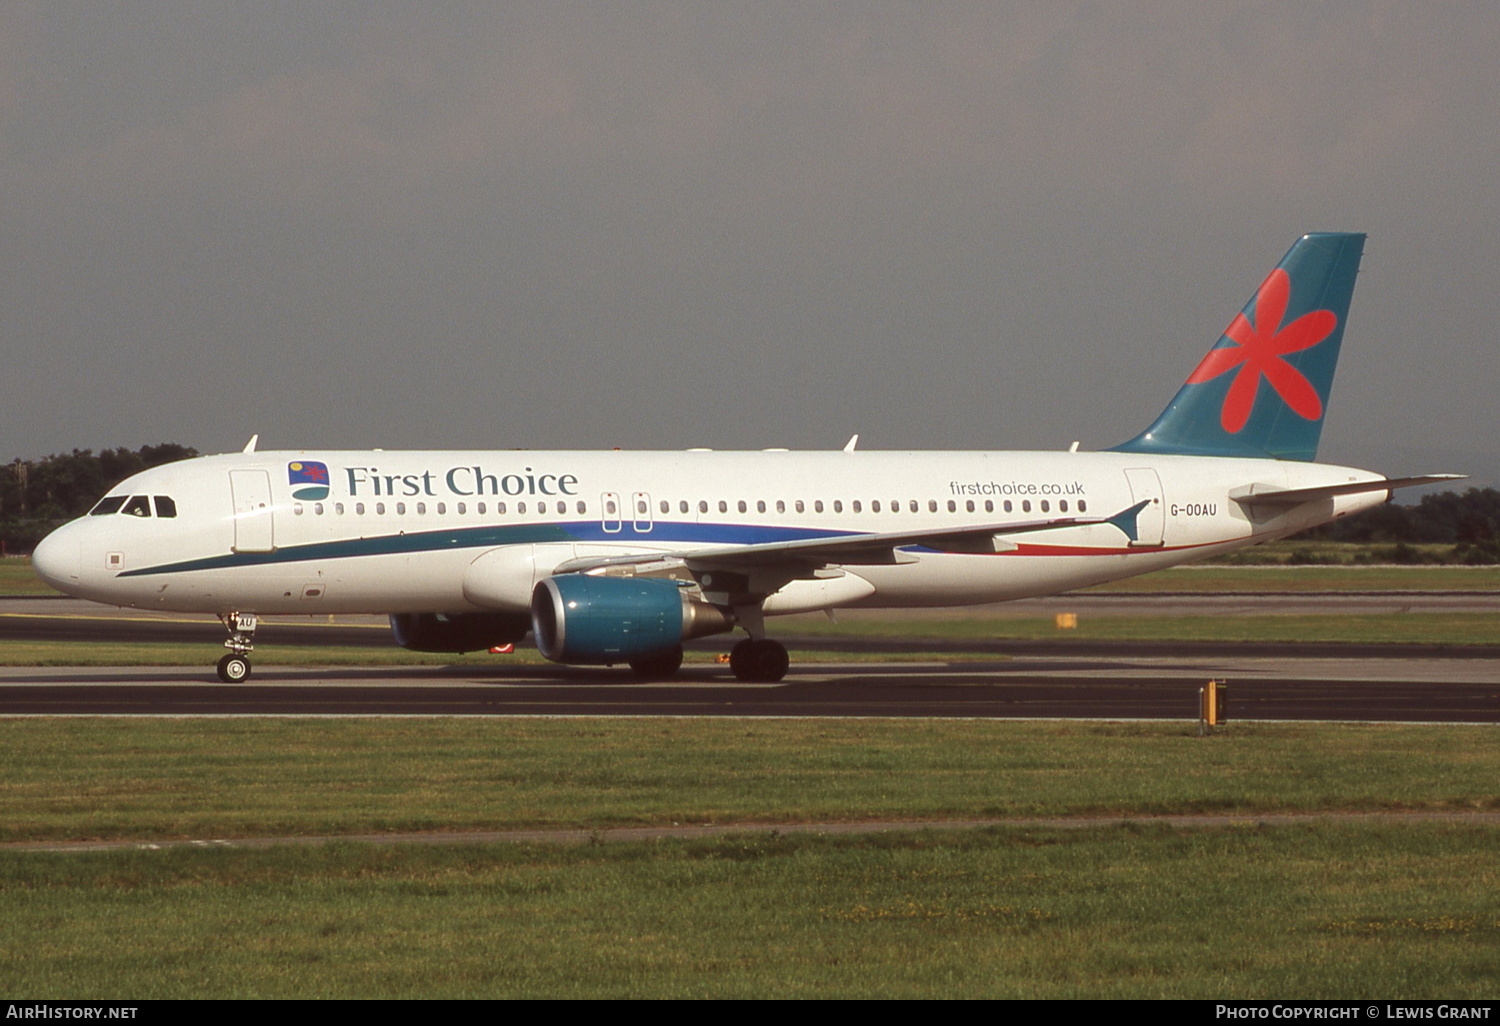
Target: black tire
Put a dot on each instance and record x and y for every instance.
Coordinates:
(234, 669)
(741, 659)
(774, 662)
(658, 665)
(759, 661)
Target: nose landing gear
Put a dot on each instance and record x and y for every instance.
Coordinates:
(234, 668)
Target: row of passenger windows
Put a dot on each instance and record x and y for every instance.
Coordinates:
(642, 509)
(134, 506)
(856, 506)
(420, 508)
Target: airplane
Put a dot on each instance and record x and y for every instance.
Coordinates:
(619, 557)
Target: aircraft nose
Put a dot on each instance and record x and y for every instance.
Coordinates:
(58, 559)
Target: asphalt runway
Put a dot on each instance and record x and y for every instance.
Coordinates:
(1050, 679)
(1436, 690)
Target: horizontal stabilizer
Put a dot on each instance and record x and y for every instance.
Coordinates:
(1297, 496)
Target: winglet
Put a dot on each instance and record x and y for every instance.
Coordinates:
(1126, 518)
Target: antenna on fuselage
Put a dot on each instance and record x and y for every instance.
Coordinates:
(250, 445)
(853, 441)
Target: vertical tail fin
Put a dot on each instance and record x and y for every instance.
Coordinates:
(1263, 388)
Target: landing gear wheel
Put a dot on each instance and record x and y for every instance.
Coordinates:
(658, 665)
(759, 661)
(234, 669)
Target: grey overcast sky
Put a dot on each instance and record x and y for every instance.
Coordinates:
(737, 225)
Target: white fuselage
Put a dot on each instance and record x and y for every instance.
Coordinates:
(455, 532)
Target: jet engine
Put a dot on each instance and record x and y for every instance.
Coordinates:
(458, 632)
(578, 618)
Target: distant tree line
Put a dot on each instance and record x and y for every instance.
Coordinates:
(37, 495)
(1469, 521)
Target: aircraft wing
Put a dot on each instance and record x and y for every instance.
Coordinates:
(855, 549)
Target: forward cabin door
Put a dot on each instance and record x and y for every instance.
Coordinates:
(253, 527)
(1150, 523)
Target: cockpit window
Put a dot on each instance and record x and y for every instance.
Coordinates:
(165, 506)
(107, 505)
(137, 506)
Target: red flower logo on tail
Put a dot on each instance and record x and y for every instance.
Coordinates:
(1258, 353)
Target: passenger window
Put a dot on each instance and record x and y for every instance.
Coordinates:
(1008, 506)
(760, 506)
(932, 505)
(108, 505)
(682, 506)
(581, 507)
(479, 508)
(338, 507)
(297, 509)
(780, 506)
(723, 506)
(952, 506)
(359, 508)
(401, 508)
(838, 505)
(1025, 505)
(1062, 505)
(318, 508)
(1083, 507)
(520, 507)
(137, 506)
(1046, 507)
(818, 506)
(913, 506)
(989, 505)
(462, 508)
(800, 508)
(442, 508)
(875, 506)
(702, 505)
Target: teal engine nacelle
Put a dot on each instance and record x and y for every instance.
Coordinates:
(459, 632)
(578, 618)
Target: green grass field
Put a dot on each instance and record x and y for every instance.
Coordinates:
(1356, 909)
(143, 778)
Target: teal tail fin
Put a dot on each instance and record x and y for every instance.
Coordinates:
(1263, 388)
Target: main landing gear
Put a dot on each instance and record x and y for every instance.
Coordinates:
(759, 661)
(658, 665)
(234, 668)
